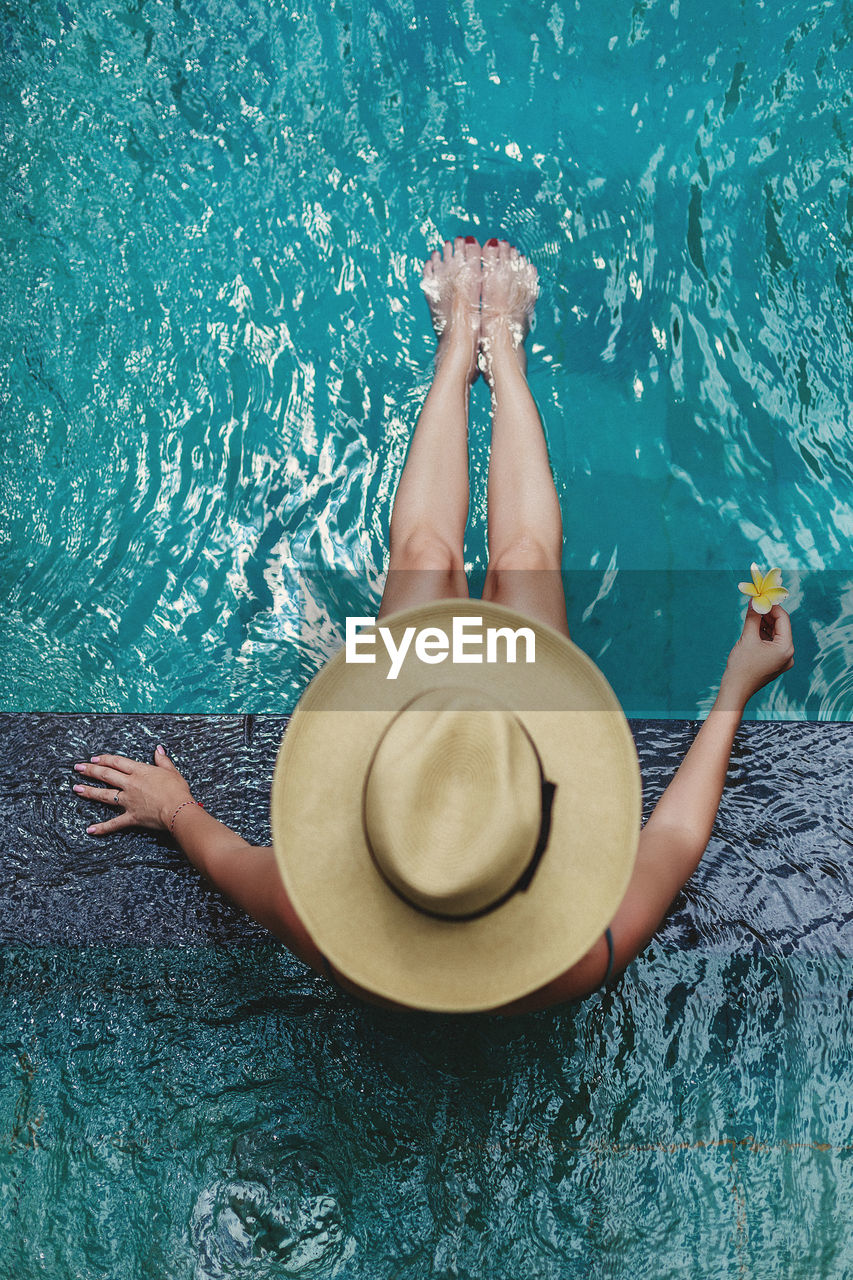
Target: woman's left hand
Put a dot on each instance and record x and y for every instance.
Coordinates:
(148, 794)
(765, 649)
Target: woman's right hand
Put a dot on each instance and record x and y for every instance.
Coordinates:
(764, 650)
(148, 794)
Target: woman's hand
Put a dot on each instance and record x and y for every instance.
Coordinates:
(765, 649)
(148, 794)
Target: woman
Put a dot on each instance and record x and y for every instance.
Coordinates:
(481, 301)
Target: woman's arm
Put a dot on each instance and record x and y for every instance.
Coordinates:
(158, 797)
(675, 837)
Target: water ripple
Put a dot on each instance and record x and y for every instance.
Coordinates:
(701, 1104)
(214, 344)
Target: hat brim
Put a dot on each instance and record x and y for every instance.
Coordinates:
(369, 933)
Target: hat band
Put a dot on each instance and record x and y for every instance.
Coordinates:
(522, 883)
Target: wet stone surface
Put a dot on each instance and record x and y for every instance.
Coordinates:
(776, 877)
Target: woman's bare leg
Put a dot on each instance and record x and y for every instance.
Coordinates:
(431, 505)
(525, 524)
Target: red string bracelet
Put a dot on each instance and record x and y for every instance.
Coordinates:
(178, 810)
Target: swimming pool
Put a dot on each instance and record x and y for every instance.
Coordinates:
(214, 343)
(181, 1099)
(213, 349)
(296, 1134)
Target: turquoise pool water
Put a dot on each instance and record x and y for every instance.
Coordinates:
(203, 1115)
(214, 346)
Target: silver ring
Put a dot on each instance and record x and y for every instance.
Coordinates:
(116, 798)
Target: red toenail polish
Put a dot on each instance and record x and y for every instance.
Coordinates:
(470, 239)
(492, 242)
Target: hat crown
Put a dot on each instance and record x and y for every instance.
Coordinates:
(453, 802)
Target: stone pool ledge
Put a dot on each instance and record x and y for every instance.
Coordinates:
(777, 877)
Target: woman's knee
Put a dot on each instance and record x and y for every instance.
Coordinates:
(527, 551)
(526, 575)
(425, 550)
(423, 567)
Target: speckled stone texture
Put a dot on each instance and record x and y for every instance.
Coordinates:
(776, 878)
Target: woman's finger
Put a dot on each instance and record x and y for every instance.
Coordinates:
(114, 824)
(752, 620)
(106, 795)
(122, 763)
(781, 625)
(113, 777)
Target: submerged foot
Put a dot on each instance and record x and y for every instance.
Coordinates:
(508, 299)
(451, 281)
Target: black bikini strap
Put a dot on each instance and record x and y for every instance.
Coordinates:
(609, 936)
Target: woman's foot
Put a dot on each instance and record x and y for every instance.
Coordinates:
(451, 281)
(509, 291)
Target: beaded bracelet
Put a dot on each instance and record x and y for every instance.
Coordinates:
(178, 810)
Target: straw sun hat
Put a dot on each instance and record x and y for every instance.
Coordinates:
(457, 836)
